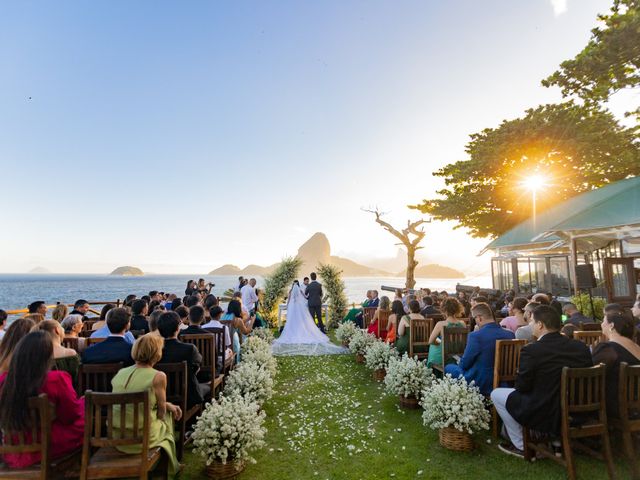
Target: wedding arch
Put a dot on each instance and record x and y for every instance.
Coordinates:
(334, 289)
(276, 285)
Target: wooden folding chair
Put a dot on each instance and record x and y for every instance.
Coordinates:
(505, 370)
(87, 325)
(221, 348)
(583, 414)
(436, 317)
(591, 327)
(206, 345)
(454, 341)
(70, 342)
(419, 333)
(367, 316)
(97, 376)
(93, 340)
(177, 394)
(100, 457)
(36, 440)
(629, 410)
(383, 319)
(590, 338)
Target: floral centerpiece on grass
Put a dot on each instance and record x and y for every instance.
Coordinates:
(457, 409)
(407, 378)
(253, 344)
(263, 358)
(345, 332)
(226, 433)
(265, 334)
(359, 344)
(377, 358)
(251, 381)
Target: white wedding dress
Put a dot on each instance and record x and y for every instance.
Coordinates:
(300, 335)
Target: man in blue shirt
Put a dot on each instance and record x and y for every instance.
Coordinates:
(479, 355)
(105, 332)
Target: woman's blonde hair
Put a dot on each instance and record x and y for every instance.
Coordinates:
(60, 312)
(36, 317)
(51, 326)
(148, 349)
(385, 303)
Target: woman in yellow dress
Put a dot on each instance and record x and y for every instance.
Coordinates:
(146, 352)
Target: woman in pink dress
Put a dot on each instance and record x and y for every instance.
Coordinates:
(29, 375)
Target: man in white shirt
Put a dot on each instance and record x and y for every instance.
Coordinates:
(249, 297)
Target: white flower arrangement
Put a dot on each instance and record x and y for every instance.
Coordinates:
(265, 334)
(250, 381)
(264, 358)
(407, 377)
(228, 430)
(378, 355)
(345, 332)
(360, 341)
(253, 344)
(451, 402)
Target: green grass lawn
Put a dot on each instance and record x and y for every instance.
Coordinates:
(330, 420)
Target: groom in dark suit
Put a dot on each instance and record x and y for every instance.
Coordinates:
(314, 300)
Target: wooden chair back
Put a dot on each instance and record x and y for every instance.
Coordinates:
(582, 391)
(93, 340)
(436, 317)
(629, 395)
(454, 341)
(383, 319)
(367, 315)
(87, 325)
(97, 377)
(106, 427)
(591, 327)
(419, 333)
(219, 333)
(590, 338)
(70, 342)
(206, 345)
(507, 361)
(85, 333)
(36, 440)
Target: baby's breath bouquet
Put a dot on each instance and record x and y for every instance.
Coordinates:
(451, 402)
(264, 358)
(252, 344)
(360, 341)
(265, 334)
(228, 430)
(250, 381)
(345, 332)
(407, 377)
(378, 355)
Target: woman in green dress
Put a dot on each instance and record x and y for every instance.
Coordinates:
(453, 310)
(404, 326)
(146, 352)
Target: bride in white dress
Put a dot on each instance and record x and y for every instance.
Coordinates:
(300, 335)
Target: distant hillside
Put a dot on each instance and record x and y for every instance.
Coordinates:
(39, 270)
(314, 251)
(434, 270)
(127, 271)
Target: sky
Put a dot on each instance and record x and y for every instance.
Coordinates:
(181, 136)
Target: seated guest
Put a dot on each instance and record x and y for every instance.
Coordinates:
(153, 321)
(359, 315)
(535, 400)
(175, 351)
(453, 310)
(81, 307)
(209, 302)
(237, 325)
(462, 298)
(526, 332)
(618, 348)
(16, 332)
(168, 304)
(613, 308)
(374, 326)
(183, 313)
(139, 310)
(407, 300)
(568, 330)
(105, 331)
(64, 359)
(59, 312)
(176, 303)
(404, 324)
(541, 298)
(191, 301)
(115, 348)
(216, 314)
(506, 308)
(3, 322)
(428, 309)
(29, 375)
(146, 352)
(196, 317)
(397, 312)
(155, 305)
(72, 326)
(38, 307)
(516, 319)
(478, 359)
(574, 317)
(128, 300)
(102, 319)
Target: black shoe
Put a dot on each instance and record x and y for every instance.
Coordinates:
(510, 449)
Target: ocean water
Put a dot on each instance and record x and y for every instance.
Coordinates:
(18, 290)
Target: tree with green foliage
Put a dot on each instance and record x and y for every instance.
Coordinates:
(276, 284)
(575, 148)
(611, 60)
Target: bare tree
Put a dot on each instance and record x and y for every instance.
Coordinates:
(405, 236)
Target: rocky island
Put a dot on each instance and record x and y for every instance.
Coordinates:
(127, 272)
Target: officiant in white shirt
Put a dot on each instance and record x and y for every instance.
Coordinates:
(249, 296)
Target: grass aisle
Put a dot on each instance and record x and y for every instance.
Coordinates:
(329, 420)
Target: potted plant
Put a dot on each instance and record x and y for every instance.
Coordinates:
(359, 344)
(345, 332)
(250, 381)
(226, 433)
(457, 410)
(407, 378)
(377, 358)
